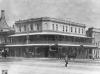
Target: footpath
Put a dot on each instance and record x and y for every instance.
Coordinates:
(15, 59)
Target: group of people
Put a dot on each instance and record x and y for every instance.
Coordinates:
(4, 53)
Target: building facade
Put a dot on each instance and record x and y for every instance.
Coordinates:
(5, 31)
(95, 34)
(50, 37)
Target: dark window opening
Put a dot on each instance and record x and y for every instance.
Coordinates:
(71, 29)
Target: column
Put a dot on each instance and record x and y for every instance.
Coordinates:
(49, 51)
(77, 52)
(35, 49)
(87, 53)
(84, 53)
(93, 54)
(59, 53)
(27, 39)
(21, 53)
(11, 40)
(15, 52)
(99, 53)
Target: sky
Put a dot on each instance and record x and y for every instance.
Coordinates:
(80, 11)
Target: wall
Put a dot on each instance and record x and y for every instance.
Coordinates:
(60, 27)
(28, 27)
(96, 52)
(95, 34)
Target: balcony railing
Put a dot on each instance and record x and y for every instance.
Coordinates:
(50, 42)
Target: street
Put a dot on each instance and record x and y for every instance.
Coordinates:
(45, 66)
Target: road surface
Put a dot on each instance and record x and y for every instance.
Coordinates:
(38, 66)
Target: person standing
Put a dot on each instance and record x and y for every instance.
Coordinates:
(2, 53)
(6, 52)
(66, 60)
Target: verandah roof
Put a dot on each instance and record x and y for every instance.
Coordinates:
(48, 33)
(75, 45)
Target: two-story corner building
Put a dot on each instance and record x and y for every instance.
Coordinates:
(50, 37)
(95, 34)
(5, 31)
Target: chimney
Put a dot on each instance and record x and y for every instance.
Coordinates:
(2, 14)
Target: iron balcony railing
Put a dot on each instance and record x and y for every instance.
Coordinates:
(49, 42)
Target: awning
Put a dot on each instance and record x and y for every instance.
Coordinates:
(49, 33)
(69, 45)
(50, 44)
(18, 45)
(92, 46)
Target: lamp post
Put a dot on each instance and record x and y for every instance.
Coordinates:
(56, 46)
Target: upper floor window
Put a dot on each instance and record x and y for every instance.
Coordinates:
(66, 28)
(31, 26)
(82, 31)
(19, 28)
(71, 29)
(38, 27)
(24, 27)
(79, 30)
(35, 27)
(63, 28)
(75, 30)
(53, 26)
(56, 26)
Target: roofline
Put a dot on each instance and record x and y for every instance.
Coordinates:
(51, 19)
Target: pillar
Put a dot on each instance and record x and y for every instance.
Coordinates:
(49, 51)
(87, 53)
(15, 52)
(21, 52)
(77, 52)
(27, 39)
(35, 49)
(59, 53)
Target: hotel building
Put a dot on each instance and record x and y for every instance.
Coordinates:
(50, 37)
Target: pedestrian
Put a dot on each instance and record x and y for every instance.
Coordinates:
(2, 53)
(6, 53)
(66, 60)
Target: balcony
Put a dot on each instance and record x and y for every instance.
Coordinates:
(48, 42)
